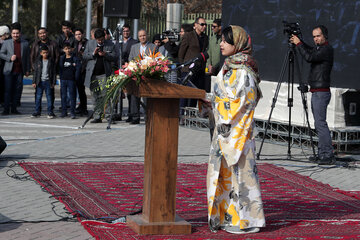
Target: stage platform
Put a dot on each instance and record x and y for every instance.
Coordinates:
(345, 139)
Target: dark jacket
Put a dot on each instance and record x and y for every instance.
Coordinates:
(79, 53)
(126, 50)
(76, 67)
(321, 59)
(61, 39)
(53, 51)
(38, 66)
(190, 48)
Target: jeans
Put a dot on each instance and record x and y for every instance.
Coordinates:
(12, 80)
(68, 86)
(319, 103)
(40, 88)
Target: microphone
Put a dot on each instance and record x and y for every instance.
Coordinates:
(201, 57)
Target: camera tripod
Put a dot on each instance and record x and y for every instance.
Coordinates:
(290, 62)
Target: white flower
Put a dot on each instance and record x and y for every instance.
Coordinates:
(132, 66)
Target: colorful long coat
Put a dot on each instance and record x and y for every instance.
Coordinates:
(233, 190)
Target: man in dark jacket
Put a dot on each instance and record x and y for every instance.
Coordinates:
(321, 58)
(42, 40)
(66, 36)
(80, 44)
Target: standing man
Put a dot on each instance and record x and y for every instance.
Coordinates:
(80, 44)
(321, 58)
(4, 34)
(65, 36)
(100, 54)
(141, 48)
(213, 62)
(16, 53)
(125, 46)
(127, 43)
(191, 45)
(53, 51)
(42, 40)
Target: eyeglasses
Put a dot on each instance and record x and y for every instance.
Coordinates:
(202, 24)
(213, 26)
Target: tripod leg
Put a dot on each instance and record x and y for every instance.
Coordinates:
(111, 114)
(281, 77)
(87, 119)
(304, 102)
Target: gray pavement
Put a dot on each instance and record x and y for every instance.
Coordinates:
(61, 140)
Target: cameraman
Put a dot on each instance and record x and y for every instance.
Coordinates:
(321, 58)
(171, 47)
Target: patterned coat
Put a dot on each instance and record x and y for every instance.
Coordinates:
(233, 190)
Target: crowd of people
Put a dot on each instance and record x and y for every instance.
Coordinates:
(82, 63)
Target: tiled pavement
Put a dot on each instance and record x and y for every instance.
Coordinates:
(61, 140)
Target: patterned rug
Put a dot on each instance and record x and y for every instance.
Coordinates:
(296, 207)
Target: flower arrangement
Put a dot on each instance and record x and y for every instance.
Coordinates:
(152, 65)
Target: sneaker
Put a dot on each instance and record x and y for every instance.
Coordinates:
(63, 115)
(51, 115)
(35, 115)
(73, 117)
(237, 230)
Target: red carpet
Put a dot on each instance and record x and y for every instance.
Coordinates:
(295, 206)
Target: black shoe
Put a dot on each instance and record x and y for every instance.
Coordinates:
(5, 112)
(73, 117)
(96, 120)
(15, 112)
(326, 161)
(135, 121)
(36, 114)
(129, 119)
(314, 159)
(63, 115)
(116, 117)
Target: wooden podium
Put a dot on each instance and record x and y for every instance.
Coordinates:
(161, 151)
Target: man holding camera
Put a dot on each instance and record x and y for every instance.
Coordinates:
(100, 54)
(321, 58)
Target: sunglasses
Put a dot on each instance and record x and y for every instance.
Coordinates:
(202, 24)
(213, 26)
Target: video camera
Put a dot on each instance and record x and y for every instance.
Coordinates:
(292, 28)
(172, 35)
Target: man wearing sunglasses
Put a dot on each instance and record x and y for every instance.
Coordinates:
(192, 44)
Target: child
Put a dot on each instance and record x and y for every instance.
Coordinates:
(70, 67)
(44, 79)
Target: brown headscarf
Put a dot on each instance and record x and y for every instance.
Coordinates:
(243, 47)
(242, 40)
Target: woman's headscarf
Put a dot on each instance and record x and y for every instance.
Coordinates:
(243, 47)
(242, 40)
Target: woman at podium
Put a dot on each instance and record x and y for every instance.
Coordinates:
(233, 190)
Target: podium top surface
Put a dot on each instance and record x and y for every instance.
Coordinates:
(154, 88)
